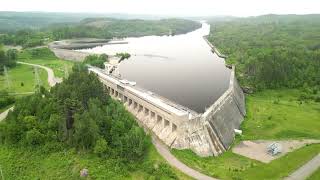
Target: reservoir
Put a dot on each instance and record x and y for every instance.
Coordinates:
(181, 68)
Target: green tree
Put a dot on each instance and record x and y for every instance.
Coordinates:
(86, 131)
(101, 147)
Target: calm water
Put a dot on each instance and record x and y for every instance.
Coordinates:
(181, 68)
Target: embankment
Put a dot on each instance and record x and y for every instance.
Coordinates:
(213, 48)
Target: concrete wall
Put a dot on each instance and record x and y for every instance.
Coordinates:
(212, 132)
(207, 134)
(227, 113)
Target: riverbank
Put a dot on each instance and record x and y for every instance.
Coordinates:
(213, 48)
(83, 43)
(66, 49)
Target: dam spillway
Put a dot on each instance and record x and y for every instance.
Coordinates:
(209, 133)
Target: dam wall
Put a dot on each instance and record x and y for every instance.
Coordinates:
(212, 132)
(207, 134)
(227, 113)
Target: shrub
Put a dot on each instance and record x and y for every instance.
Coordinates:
(101, 147)
(6, 99)
(96, 60)
(34, 137)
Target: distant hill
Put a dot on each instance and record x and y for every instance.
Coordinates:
(34, 20)
(138, 27)
(30, 29)
(13, 21)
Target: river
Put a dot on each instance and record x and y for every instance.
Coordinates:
(181, 68)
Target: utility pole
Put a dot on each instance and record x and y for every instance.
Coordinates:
(37, 78)
(2, 177)
(66, 72)
(6, 75)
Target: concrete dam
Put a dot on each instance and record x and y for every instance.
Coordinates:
(206, 134)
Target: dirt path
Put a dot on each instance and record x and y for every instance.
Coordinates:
(5, 113)
(173, 161)
(52, 80)
(306, 170)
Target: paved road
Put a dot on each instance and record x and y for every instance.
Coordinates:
(5, 113)
(52, 80)
(306, 170)
(173, 161)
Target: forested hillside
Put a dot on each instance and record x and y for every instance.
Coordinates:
(109, 28)
(14, 21)
(272, 51)
(76, 113)
(32, 29)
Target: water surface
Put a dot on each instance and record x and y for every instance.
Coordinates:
(181, 68)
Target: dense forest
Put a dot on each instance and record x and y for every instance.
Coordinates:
(42, 30)
(76, 113)
(272, 51)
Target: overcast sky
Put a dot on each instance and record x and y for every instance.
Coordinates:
(168, 7)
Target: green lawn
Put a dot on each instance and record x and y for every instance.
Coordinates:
(315, 175)
(276, 114)
(34, 164)
(23, 74)
(233, 166)
(59, 66)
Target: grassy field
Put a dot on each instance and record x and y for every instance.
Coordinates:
(276, 114)
(24, 74)
(22, 79)
(315, 176)
(271, 114)
(233, 166)
(34, 164)
(59, 66)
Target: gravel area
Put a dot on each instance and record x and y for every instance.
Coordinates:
(258, 149)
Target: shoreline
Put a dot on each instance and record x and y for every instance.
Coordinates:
(82, 43)
(65, 49)
(214, 49)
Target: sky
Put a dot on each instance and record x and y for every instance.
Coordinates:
(168, 7)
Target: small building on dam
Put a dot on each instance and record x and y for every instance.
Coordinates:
(209, 133)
